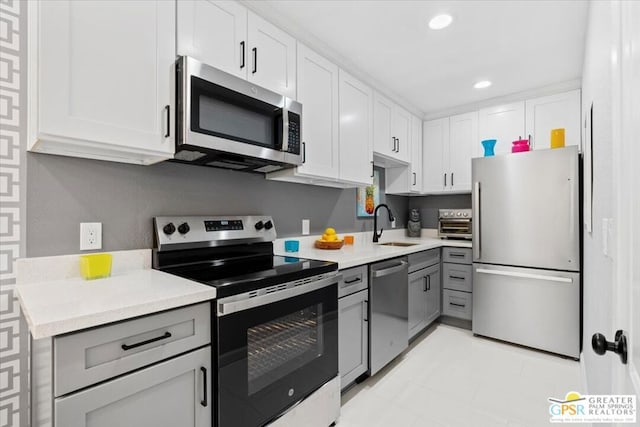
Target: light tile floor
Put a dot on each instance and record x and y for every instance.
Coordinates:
(448, 377)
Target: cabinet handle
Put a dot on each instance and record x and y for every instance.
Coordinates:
(304, 152)
(456, 255)
(428, 283)
(167, 108)
(204, 402)
(457, 305)
(366, 310)
(348, 282)
(452, 179)
(371, 168)
(126, 347)
(530, 142)
(456, 277)
(414, 178)
(398, 149)
(445, 179)
(255, 60)
(242, 64)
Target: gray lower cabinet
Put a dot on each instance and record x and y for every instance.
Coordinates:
(153, 370)
(173, 393)
(424, 298)
(457, 278)
(353, 329)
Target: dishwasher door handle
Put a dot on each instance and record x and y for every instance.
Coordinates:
(390, 270)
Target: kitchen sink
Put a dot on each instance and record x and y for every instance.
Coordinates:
(397, 244)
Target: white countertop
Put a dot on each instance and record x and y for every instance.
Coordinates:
(364, 251)
(69, 304)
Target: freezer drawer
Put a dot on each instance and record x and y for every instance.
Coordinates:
(535, 308)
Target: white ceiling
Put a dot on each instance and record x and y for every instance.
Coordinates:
(518, 45)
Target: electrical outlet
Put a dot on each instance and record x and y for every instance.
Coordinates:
(305, 227)
(90, 236)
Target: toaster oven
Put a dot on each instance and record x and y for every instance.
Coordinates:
(454, 223)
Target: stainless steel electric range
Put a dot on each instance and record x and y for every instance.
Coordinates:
(275, 323)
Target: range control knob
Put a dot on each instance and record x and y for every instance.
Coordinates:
(169, 228)
(268, 225)
(183, 228)
(259, 225)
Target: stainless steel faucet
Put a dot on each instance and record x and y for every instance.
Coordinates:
(376, 236)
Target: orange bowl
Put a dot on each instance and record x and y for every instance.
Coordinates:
(329, 245)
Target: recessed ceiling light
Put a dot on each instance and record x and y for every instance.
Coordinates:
(440, 21)
(483, 84)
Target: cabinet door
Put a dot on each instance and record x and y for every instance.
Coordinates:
(353, 335)
(402, 133)
(415, 159)
(272, 57)
(434, 156)
(105, 77)
(417, 301)
(462, 139)
(505, 123)
(434, 290)
(172, 393)
(318, 93)
(552, 112)
(214, 32)
(383, 138)
(356, 130)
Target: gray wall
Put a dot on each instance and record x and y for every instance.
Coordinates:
(64, 191)
(429, 205)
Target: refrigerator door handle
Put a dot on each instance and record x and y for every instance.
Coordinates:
(525, 275)
(475, 223)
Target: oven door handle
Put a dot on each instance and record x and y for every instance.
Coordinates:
(242, 302)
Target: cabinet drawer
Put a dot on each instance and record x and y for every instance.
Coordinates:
(353, 280)
(457, 276)
(84, 358)
(457, 255)
(456, 304)
(424, 259)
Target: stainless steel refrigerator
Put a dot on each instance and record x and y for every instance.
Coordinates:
(526, 249)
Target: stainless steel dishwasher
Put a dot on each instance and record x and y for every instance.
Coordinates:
(389, 317)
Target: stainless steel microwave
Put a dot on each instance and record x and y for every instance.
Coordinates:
(225, 121)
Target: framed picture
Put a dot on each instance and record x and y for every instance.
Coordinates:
(367, 198)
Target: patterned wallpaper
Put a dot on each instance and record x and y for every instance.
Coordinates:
(13, 332)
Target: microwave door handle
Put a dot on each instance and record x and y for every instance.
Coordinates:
(285, 127)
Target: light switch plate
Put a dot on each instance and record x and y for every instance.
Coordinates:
(90, 236)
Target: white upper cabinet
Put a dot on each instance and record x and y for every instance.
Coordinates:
(225, 35)
(101, 79)
(435, 148)
(318, 93)
(448, 147)
(272, 57)
(551, 112)
(356, 130)
(504, 123)
(214, 32)
(463, 139)
(407, 179)
(392, 129)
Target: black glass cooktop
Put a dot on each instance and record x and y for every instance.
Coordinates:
(238, 274)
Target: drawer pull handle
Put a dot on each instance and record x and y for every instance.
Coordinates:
(348, 282)
(204, 401)
(456, 277)
(456, 255)
(457, 305)
(149, 341)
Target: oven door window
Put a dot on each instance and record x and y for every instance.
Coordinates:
(221, 112)
(271, 356)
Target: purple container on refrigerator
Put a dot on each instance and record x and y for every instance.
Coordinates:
(526, 249)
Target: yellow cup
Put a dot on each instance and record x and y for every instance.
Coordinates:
(95, 266)
(557, 138)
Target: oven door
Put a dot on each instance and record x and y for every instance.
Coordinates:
(274, 350)
(460, 228)
(224, 113)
